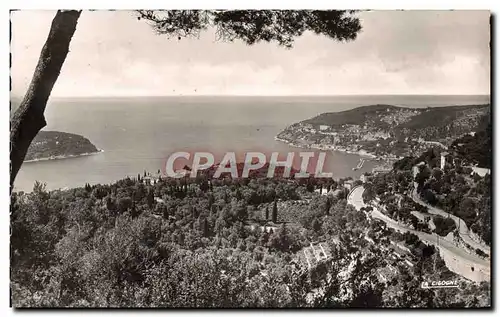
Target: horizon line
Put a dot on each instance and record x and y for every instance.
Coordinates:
(235, 95)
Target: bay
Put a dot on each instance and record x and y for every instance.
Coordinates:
(139, 133)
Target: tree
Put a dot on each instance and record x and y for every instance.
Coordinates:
(204, 185)
(150, 198)
(250, 26)
(280, 240)
(238, 194)
(275, 213)
(29, 117)
(205, 227)
(124, 204)
(253, 26)
(316, 225)
(328, 205)
(210, 201)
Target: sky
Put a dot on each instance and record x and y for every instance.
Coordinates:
(398, 52)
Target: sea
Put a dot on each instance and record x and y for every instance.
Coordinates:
(138, 134)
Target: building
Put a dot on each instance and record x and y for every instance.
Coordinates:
(323, 127)
(149, 180)
(443, 159)
(323, 191)
(480, 171)
(381, 169)
(365, 177)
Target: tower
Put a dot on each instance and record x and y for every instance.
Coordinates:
(443, 159)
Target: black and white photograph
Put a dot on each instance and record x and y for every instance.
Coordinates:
(253, 158)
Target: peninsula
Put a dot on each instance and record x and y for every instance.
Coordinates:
(386, 131)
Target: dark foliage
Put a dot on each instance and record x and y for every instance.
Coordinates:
(112, 246)
(444, 225)
(252, 26)
(475, 150)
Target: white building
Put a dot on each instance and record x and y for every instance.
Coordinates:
(149, 179)
(323, 127)
(443, 159)
(480, 171)
(363, 178)
(324, 191)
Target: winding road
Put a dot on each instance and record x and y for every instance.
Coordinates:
(464, 231)
(457, 259)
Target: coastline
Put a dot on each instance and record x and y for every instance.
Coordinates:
(62, 157)
(361, 153)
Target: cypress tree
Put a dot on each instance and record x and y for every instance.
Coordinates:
(165, 212)
(275, 212)
(316, 225)
(310, 187)
(210, 201)
(150, 198)
(267, 212)
(133, 211)
(328, 205)
(204, 185)
(205, 227)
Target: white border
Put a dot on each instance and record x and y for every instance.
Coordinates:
(254, 4)
(202, 4)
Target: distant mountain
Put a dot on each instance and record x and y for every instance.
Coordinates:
(55, 144)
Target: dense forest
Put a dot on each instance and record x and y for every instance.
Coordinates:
(475, 149)
(224, 243)
(457, 189)
(460, 192)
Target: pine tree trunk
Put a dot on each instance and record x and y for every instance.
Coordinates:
(29, 118)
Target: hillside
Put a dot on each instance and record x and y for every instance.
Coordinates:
(240, 243)
(55, 144)
(387, 131)
(475, 149)
(354, 116)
